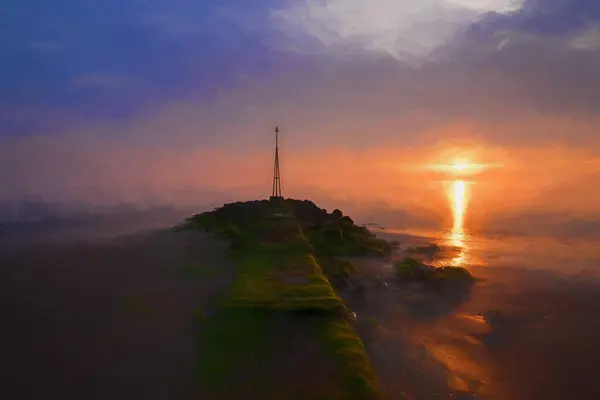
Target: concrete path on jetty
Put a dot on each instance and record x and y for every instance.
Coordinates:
(282, 332)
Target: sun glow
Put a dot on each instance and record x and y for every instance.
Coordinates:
(460, 166)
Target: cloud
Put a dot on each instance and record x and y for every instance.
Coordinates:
(239, 73)
(365, 104)
(586, 40)
(500, 6)
(547, 50)
(406, 30)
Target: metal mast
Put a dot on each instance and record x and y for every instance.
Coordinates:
(276, 193)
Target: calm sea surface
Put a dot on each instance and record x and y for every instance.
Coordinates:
(528, 329)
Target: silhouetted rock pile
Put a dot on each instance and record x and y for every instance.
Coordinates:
(331, 234)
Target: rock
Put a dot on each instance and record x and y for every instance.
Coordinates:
(337, 214)
(348, 220)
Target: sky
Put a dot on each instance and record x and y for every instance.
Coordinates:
(175, 102)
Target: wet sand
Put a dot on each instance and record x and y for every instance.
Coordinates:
(517, 334)
(107, 320)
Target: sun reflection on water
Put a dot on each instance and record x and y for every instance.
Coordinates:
(457, 241)
(457, 237)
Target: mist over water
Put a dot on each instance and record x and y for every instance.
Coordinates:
(70, 227)
(528, 239)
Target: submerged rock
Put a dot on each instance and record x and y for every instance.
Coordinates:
(429, 250)
(410, 269)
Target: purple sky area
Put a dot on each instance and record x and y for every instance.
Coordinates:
(112, 60)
